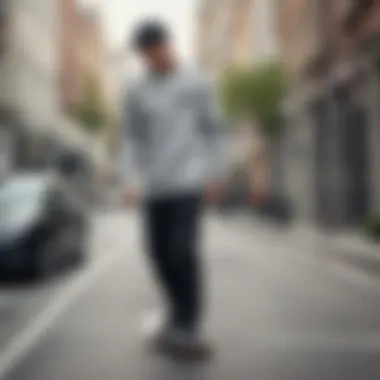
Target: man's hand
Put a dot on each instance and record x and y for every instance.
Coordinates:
(214, 193)
(131, 197)
(260, 196)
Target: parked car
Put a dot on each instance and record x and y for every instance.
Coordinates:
(42, 224)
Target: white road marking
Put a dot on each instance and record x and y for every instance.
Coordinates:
(25, 340)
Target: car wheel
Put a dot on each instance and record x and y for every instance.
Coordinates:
(79, 252)
(42, 265)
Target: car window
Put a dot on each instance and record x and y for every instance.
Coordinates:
(22, 191)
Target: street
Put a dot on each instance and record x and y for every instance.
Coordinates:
(278, 310)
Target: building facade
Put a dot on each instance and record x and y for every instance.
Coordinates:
(299, 40)
(225, 34)
(236, 33)
(99, 67)
(28, 74)
(93, 54)
(264, 34)
(240, 34)
(69, 55)
(334, 125)
(30, 63)
(214, 35)
(34, 62)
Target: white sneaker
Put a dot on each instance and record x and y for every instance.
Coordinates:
(152, 322)
(183, 345)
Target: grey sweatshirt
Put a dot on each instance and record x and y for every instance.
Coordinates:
(174, 140)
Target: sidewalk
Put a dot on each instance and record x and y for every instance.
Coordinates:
(351, 246)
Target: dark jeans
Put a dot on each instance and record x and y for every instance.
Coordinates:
(172, 231)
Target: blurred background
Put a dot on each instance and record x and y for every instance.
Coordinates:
(299, 82)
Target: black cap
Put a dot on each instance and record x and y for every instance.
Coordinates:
(150, 33)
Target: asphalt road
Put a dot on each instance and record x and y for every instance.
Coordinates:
(278, 310)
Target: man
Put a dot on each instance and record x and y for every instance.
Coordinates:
(175, 139)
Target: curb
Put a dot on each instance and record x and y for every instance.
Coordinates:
(350, 248)
(361, 254)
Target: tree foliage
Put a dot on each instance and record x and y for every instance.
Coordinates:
(255, 94)
(92, 111)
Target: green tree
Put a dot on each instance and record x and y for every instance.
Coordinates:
(92, 111)
(255, 94)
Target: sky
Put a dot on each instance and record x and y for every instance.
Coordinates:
(121, 15)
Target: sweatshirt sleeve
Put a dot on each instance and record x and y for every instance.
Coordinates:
(214, 132)
(129, 152)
